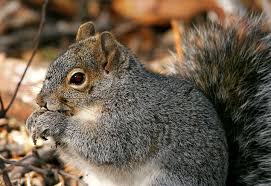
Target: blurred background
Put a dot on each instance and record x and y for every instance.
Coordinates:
(152, 29)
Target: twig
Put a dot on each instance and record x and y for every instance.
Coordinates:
(51, 31)
(177, 38)
(22, 164)
(2, 107)
(44, 172)
(27, 166)
(45, 155)
(47, 174)
(36, 44)
(12, 163)
(5, 174)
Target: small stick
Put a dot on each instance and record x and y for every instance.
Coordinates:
(2, 107)
(21, 164)
(5, 174)
(12, 165)
(35, 48)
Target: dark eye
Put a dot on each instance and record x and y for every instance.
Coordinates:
(77, 78)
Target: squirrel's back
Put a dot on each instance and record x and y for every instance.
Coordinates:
(232, 66)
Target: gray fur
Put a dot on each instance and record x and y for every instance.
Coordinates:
(145, 118)
(232, 66)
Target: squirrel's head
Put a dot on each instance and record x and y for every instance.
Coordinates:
(72, 76)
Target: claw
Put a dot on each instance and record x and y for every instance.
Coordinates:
(44, 134)
(34, 138)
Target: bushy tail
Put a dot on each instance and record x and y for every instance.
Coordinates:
(232, 66)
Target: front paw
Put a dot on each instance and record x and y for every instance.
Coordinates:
(31, 120)
(42, 124)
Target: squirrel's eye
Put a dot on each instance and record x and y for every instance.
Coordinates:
(77, 78)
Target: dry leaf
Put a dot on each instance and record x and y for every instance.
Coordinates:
(161, 11)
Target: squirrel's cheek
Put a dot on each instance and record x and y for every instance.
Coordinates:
(90, 114)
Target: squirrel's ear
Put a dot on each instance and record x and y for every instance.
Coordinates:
(110, 50)
(85, 30)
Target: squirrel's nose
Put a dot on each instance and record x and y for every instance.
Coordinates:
(52, 103)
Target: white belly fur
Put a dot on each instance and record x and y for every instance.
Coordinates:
(100, 176)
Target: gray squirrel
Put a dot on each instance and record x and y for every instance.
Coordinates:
(124, 126)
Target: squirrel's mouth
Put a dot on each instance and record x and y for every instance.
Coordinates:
(67, 112)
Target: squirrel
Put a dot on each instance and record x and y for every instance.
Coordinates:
(122, 125)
